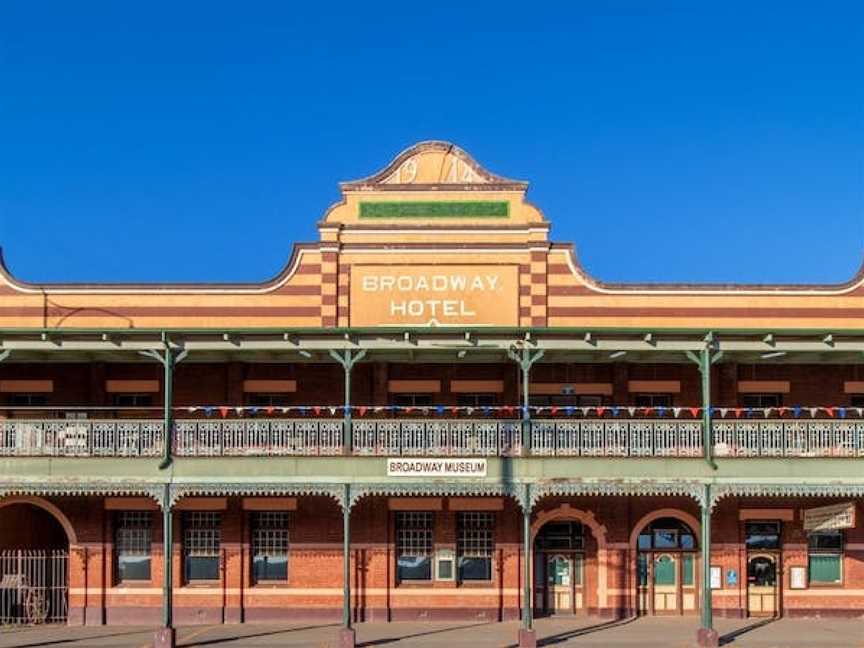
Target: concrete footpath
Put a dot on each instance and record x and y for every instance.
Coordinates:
(597, 633)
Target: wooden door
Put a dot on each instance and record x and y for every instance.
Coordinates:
(666, 583)
(762, 585)
(559, 584)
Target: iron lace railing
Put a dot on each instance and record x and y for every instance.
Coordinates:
(565, 437)
(81, 437)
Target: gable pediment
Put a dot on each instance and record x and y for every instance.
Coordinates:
(431, 165)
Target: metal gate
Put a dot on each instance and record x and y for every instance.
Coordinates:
(33, 586)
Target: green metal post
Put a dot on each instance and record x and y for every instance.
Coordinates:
(348, 360)
(167, 560)
(168, 413)
(346, 559)
(527, 612)
(707, 433)
(707, 609)
(525, 359)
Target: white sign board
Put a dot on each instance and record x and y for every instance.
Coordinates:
(406, 467)
(798, 578)
(716, 578)
(829, 518)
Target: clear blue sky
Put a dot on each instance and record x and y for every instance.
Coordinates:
(669, 141)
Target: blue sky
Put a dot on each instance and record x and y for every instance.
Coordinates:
(198, 141)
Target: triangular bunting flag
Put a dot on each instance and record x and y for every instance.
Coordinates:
(676, 412)
(694, 412)
(223, 411)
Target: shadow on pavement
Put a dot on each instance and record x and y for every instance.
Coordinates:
(381, 642)
(240, 637)
(584, 630)
(69, 640)
(729, 637)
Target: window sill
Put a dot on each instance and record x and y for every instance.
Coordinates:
(202, 584)
(270, 584)
(132, 583)
(416, 583)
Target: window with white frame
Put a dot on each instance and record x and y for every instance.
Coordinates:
(414, 531)
(133, 533)
(475, 544)
(270, 545)
(202, 537)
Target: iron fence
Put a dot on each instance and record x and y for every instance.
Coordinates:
(33, 586)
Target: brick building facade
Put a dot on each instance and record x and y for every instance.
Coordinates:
(432, 413)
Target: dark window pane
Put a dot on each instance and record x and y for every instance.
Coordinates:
(645, 541)
(202, 568)
(688, 541)
(665, 539)
(133, 568)
(825, 540)
(762, 572)
(642, 568)
(414, 567)
(762, 535)
(475, 569)
(266, 568)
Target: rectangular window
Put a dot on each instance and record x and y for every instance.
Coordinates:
(414, 531)
(653, 400)
(762, 535)
(825, 557)
(259, 399)
(132, 400)
(761, 400)
(202, 536)
(270, 546)
(477, 400)
(412, 400)
(28, 400)
(475, 543)
(665, 538)
(132, 537)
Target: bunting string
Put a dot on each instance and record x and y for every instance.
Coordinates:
(598, 411)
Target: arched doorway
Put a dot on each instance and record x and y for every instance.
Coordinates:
(562, 552)
(34, 563)
(666, 559)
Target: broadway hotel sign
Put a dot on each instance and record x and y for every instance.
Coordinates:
(436, 295)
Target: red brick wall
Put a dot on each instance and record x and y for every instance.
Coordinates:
(314, 586)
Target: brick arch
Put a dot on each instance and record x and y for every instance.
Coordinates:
(47, 506)
(567, 512)
(678, 514)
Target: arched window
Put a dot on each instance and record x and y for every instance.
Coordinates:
(667, 534)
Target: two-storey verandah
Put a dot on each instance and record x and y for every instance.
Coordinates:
(535, 453)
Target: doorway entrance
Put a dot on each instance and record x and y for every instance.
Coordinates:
(763, 543)
(34, 567)
(666, 567)
(559, 569)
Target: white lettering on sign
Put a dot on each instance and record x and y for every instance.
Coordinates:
(426, 295)
(436, 467)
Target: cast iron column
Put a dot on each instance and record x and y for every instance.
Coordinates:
(347, 634)
(348, 360)
(525, 359)
(707, 636)
(165, 636)
(527, 636)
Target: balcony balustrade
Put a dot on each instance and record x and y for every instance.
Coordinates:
(565, 437)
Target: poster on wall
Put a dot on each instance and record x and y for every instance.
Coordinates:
(797, 578)
(716, 578)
